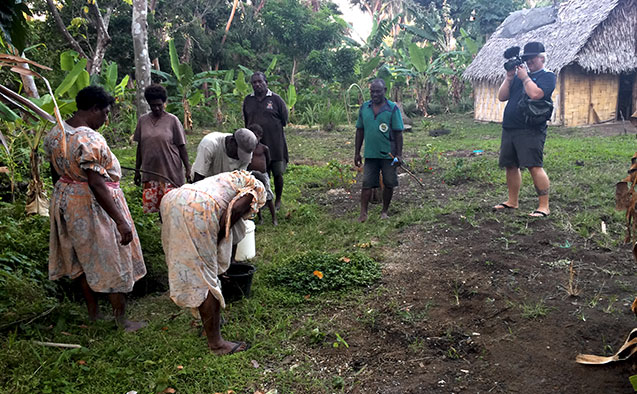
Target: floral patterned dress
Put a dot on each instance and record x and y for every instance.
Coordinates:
(84, 238)
(191, 214)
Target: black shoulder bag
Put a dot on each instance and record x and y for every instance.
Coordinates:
(536, 112)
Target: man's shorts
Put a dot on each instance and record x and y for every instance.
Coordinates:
(372, 169)
(153, 192)
(278, 167)
(522, 148)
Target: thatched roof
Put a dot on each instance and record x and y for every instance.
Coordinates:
(598, 35)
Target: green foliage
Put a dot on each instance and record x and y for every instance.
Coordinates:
(25, 290)
(315, 272)
(76, 78)
(298, 30)
(13, 23)
(340, 65)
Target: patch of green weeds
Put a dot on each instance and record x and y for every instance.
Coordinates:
(315, 272)
(417, 345)
(534, 310)
(410, 315)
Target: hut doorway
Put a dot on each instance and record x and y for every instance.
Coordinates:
(625, 96)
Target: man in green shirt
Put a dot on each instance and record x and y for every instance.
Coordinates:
(380, 126)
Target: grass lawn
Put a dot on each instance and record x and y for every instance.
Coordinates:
(451, 268)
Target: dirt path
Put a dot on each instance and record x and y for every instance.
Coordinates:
(466, 309)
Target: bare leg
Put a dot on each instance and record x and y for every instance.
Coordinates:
(270, 205)
(90, 298)
(388, 192)
(233, 254)
(514, 181)
(542, 184)
(210, 312)
(366, 194)
(278, 190)
(260, 217)
(118, 301)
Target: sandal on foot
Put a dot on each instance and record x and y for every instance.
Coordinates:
(236, 347)
(502, 207)
(538, 214)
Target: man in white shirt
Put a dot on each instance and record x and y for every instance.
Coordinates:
(223, 152)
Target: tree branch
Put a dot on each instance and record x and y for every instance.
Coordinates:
(103, 38)
(60, 24)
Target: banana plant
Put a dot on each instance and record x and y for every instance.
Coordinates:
(108, 79)
(30, 127)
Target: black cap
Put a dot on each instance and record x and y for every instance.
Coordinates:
(532, 49)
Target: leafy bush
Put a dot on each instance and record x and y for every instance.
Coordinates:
(315, 272)
(25, 290)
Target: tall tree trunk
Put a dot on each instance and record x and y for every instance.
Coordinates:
(185, 55)
(293, 71)
(103, 38)
(28, 82)
(225, 33)
(142, 60)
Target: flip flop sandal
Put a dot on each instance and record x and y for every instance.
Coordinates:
(504, 206)
(236, 347)
(625, 352)
(538, 214)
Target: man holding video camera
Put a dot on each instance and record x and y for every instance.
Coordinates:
(523, 132)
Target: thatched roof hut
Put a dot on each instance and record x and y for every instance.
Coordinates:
(591, 46)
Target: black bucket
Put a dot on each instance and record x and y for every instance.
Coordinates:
(237, 281)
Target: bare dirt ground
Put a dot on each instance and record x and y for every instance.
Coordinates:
(466, 309)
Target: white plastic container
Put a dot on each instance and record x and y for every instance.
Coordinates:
(246, 249)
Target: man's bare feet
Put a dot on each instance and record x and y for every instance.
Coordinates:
(384, 215)
(228, 347)
(275, 222)
(362, 218)
(277, 204)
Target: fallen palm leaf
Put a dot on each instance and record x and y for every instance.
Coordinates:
(627, 350)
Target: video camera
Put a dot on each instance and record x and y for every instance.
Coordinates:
(513, 58)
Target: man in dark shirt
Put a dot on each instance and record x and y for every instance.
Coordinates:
(268, 110)
(522, 145)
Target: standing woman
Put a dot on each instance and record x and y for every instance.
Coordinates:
(93, 238)
(161, 148)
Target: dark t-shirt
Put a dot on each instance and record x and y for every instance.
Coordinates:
(513, 117)
(160, 144)
(271, 114)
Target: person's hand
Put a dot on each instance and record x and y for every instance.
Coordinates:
(511, 74)
(397, 161)
(188, 177)
(522, 73)
(138, 178)
(125, 232)
(358, 160)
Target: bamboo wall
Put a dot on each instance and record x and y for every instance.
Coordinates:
(581, 89)
(488, 108)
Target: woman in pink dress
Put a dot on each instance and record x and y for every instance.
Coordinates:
(93, 238)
